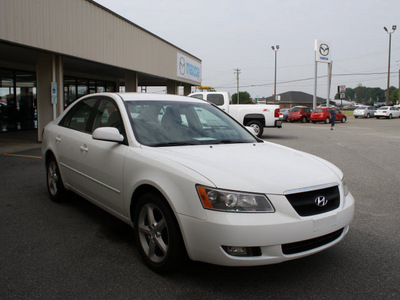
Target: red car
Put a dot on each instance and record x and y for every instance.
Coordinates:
(323, 114)
(300, 113)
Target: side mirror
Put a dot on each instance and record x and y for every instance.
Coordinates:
(110, 134)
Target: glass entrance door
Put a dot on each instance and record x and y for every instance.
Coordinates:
(18, 106)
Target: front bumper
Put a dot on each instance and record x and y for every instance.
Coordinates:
(267, 231)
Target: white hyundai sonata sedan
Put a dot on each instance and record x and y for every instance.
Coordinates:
(193, 182)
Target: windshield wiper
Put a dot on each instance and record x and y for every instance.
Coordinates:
(169, 144)
(230, 142)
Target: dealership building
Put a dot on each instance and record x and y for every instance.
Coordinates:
(54, 51)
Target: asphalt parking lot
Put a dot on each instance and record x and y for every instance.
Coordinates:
(76, 251)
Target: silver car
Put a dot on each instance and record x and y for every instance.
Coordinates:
(284, 114)
(364, 111)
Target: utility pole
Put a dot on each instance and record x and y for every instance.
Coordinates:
(390, 46)
(237, 72)
(275, 49)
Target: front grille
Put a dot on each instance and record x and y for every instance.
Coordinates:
(307, 245)
(305, 202)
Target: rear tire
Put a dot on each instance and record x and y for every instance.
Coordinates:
(343, 119)
(257, 126)
(157, 234)
(327, 121)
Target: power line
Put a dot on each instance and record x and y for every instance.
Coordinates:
(311, 78)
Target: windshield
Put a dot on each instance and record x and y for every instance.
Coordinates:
(295, 109)
(383, 108)
(361, 107)
(173, 123)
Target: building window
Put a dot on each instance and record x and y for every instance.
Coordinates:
(75, 88)
(18, 105)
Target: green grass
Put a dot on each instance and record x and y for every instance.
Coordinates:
(348, 113)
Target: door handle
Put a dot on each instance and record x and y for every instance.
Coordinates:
(58, 139)
(84, 148)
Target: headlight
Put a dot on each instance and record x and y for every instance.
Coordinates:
(231, 201)
(345, 187)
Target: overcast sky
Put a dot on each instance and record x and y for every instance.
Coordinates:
(227, 35)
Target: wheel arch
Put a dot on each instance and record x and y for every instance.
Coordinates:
(254, 117)
(148, 188)
(140, 190)
(48, 155)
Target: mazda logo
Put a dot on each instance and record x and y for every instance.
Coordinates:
(321, 201)
(324, 49)
(182, 66)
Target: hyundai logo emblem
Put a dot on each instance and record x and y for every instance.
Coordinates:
(321, 201)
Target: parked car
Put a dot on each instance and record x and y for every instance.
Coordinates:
(323, 114)
(259, 116)
(300, 113)
(284, 114)
(193, 182)
(379, 104)
(364, 111)
(387, 112)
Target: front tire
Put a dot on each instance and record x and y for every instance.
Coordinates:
(343, 119)
(55, 185)
(257, 126)
(390, 116)
(327, 121)
(157, 234)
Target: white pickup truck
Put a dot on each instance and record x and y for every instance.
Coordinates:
(257, 116)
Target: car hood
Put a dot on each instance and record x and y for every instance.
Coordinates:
(261, 167)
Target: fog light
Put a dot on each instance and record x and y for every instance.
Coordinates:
(242, 251)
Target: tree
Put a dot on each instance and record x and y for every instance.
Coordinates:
(244, 98)
(394, 96)
(365, 95)
(360, 93)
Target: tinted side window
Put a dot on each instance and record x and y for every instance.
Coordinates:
(198, 96)
(78, 117)
(217, 99)
(108, 115)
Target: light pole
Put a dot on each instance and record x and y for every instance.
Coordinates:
(275, 49)
(390, 46)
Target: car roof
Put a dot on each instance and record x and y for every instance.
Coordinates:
(155, 97)
(147, 97)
